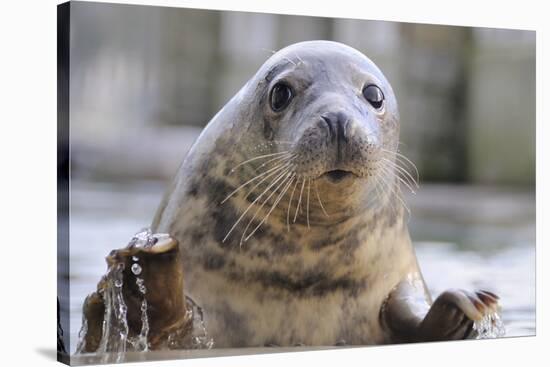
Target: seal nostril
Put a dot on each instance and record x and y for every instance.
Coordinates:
(327, 120)
(344, 129)
(337, 123)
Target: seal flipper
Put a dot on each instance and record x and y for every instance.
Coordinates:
(453, 314)
(160, 268)
(407, 316)
(404, 309)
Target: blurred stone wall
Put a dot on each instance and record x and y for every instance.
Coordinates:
(502, 107)
(145, 80)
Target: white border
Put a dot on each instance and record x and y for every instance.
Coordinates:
(28, 151)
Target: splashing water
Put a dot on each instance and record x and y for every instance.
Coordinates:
(198, 338)
(136, 269)
(489, 327)
(115, 323)
(81, 345)
(143, 239)
(140, 342)
(115, 340)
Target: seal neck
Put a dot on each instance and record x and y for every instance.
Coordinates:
(324, 203)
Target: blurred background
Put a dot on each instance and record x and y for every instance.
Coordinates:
(145, 80)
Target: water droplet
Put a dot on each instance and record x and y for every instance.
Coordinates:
(489, 327)
(141, 286)
(142, 239)
(115, 339)
(136, 269)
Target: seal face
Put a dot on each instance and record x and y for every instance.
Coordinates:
(287, 209)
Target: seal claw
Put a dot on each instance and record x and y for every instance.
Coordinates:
(162, 246)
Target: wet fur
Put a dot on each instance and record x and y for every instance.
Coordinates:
(286, 286)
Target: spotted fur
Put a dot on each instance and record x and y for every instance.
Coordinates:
(318, 279)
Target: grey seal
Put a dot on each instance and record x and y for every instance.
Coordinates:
(288, 212)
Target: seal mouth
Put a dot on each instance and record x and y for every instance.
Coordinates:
(337, 175)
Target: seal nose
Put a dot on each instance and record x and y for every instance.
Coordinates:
(338, 125)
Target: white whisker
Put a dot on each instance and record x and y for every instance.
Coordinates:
(396, 193)
(290, 61)
(375, 189)
(402, 170)
(289, 156)
(289, 205)
(299, 200)
(390, 192)
(307, 206)
(258, 157)
(254, 202)
(319, 198)
(396, 175)
(283, 191)
(403, 159)
(271, 172)
(262, 205)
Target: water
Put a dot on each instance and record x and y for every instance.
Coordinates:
(140, 343)
(490, 326)
(465, 237)
(199, 338)
(115, 339)
(115, 325)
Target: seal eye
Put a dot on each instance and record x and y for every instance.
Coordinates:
(373, 95)
(281, 94)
